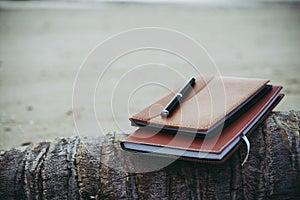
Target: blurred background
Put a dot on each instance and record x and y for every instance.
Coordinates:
(43, 44)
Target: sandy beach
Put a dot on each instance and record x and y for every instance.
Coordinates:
(42, 46)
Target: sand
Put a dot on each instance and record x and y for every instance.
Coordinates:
(43, 45)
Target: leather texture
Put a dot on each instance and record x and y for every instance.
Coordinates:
(211, 143)
(211, 99)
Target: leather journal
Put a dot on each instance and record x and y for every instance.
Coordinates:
(212, 101)
(205, 134)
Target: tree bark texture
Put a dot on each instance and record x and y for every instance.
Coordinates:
(72, 169)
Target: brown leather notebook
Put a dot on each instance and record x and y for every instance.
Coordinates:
(212, 101)
(216, 148)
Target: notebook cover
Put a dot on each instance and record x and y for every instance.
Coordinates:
(211, 99)
(213, 144)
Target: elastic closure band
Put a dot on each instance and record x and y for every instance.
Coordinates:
(248, 148)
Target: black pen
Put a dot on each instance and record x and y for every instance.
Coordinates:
(177, 99)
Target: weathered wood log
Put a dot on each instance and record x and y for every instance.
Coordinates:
(98, 169)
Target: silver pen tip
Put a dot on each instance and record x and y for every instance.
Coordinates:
(164, 113)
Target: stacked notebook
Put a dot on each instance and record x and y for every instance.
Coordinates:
(210, 122)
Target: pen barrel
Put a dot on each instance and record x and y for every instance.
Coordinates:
(178, 98)
(186, 89)
(174, 103)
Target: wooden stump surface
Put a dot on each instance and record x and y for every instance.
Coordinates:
(96, 168)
